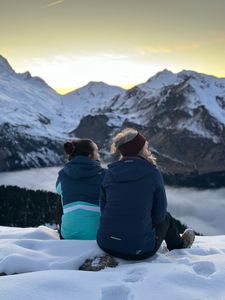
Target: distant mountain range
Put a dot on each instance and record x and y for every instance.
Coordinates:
(182, 116)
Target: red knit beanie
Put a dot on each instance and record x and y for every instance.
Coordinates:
(134, 146)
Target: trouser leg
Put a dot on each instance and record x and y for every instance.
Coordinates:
(59, 213)
(168, 231)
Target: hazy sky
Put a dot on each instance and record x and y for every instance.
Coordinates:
(121, 42)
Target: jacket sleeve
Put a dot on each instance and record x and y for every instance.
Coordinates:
(102, 191)
(159, 208)
(58, 186)
(102, 199)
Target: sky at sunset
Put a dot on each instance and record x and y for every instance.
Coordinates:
(121, 42)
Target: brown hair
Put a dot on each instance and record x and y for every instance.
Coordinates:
(82, 147)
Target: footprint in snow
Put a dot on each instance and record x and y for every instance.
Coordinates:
(135, 275)
(116, 292)
(203, 268)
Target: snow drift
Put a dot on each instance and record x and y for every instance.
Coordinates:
(48, 269)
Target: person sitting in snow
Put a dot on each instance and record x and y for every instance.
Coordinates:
(78, 184)
(134, 219)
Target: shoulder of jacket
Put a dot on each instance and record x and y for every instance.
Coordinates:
(102, 172)
(159, 178)
(61, 173)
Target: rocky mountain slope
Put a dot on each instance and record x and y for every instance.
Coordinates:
(182, 116)
(35, 120)
(30, 121)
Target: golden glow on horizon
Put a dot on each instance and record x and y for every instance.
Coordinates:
(128, 86)
(63, 91)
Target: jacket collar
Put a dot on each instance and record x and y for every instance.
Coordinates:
(133, 157)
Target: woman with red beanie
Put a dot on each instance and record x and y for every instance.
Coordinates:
(134, 219)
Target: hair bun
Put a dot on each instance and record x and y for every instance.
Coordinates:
(74, 147)
(69, 147)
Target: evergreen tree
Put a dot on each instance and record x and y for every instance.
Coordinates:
(26, 208)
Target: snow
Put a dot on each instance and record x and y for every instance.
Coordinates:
(25, 100)
(48, 269)
(203, 91)
(5, 69)
(90, 97)
(206, 89)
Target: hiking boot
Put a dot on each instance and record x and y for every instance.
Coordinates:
(58, 228)
(188, 237)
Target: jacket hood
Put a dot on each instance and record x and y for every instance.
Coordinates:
(81, 167)
(130, 169)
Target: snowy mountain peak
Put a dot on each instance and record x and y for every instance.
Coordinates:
(24, 76)
(5, 68)
(165, 72)
(96, 86)
(162, 74)
(99, 85)
(96, 83)
(96, 89)
(37, 81)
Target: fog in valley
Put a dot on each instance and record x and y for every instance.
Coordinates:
(203, 210)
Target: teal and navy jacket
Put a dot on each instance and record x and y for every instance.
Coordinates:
(79, 185)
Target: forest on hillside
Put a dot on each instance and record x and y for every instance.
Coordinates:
(21, 207)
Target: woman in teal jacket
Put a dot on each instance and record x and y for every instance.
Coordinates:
(78, 184)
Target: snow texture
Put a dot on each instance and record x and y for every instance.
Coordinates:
(48, 269)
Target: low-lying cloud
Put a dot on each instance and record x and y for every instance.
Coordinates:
(201, 210)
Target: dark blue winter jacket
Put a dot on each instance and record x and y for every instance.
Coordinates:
(79, 185)
(132, 200)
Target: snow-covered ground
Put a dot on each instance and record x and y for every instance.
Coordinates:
(50, 270)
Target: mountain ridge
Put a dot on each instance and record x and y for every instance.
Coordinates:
(182, 116)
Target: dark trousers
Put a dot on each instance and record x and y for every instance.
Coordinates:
(59, 213)
(167, 231)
